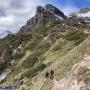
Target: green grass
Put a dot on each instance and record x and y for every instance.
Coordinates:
(33, 70)
(77, 54)
(61, 49)
(77, 36)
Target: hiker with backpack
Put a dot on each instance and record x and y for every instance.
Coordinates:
(52, 74)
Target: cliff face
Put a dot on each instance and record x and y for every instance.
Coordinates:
(43, 16)
(55, 10)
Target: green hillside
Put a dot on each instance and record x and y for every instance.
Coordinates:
(49, 47)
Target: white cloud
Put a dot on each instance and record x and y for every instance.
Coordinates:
(4, 3)
(17, 16)
(17, 12)
(7, 23)
(84, 14)
(8, 20)
(88, 0)
(69, 9)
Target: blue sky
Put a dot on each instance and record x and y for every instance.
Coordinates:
(15, 13)
(77, 3)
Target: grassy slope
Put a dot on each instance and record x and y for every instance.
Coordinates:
(62, 66)
(49, 48)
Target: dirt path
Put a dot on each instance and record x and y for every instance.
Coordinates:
(59, 85)
(70, 82)
(56, 85)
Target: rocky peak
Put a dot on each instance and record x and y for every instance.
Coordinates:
(55, 10)
(43, 16)
(39, 9)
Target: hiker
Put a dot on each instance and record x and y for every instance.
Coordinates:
(47, 74)
(52, 74)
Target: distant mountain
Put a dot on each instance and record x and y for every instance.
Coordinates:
(84, 12)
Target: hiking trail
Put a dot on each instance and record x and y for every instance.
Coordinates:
(75, 79)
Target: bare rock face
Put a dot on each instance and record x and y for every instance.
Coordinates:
(55, 10)
(5, 55)
(43, 16)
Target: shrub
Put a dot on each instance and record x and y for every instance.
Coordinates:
(76, 36)
(23, 87)
(32, 59)
(77, 42)
(33, 71)
(39, 66)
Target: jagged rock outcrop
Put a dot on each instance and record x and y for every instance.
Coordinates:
(55, 10)
(43, 15)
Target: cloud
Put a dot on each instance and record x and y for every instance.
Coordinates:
(69, 9)
(84, 14)
(4, 3)
(7, 23)
(7, 20)
(15, 13)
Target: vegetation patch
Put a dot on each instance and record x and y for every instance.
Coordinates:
(33, 71)
(77, 36)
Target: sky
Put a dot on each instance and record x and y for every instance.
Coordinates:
(15, 13)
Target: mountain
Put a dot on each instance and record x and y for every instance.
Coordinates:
(48, 41)
(84, 13)
(43, 16)
(84, 10)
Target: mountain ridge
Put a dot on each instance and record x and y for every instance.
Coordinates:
(57, 16)
(52, 43)
(44, 15)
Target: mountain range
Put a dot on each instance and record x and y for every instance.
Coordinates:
(49, 40)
